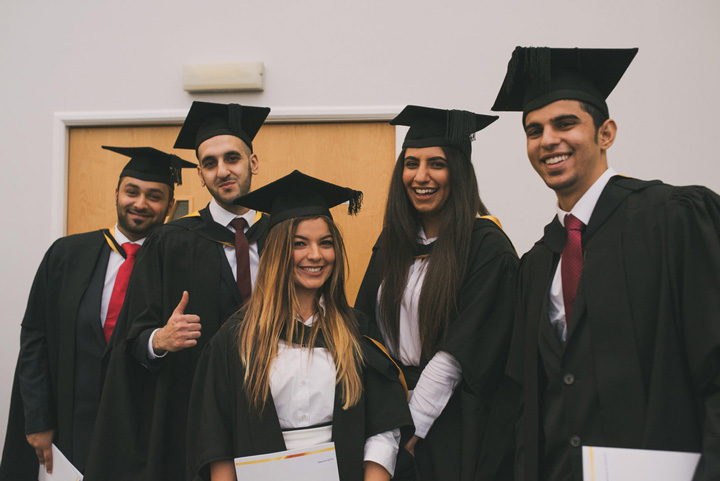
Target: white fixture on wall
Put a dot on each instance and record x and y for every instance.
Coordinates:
(223, 77)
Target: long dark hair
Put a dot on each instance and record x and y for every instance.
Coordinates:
(446, 267)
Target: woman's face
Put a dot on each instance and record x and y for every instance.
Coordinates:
(426, 179)
(313, 255)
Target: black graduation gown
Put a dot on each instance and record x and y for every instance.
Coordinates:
(471, 436)
(140, 431)
(222, 426)
(641, 364)
(66, 292)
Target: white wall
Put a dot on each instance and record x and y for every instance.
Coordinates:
(127, 55)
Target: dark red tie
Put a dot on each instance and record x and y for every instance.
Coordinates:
(242, 256)
(119, 288)
(572, 262)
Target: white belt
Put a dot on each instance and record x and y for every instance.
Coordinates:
(301, 438)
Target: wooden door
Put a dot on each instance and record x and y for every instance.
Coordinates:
(356, 155)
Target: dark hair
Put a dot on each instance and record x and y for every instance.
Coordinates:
(446, 266)
(599, 117)
(171, 186)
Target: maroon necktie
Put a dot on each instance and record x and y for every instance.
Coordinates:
(572, 262)
(119, 288)
(242, 256)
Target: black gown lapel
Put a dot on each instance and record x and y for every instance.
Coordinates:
(212, 230)
(227, 276)
(265, 431)
(82, 268)
(610, 315)
(610, 199)
(545, 267)
(258, 232)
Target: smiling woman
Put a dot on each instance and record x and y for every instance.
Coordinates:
(440, 286)
(292, 368)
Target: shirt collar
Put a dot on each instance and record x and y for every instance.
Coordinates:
(122, 239)
(584, 207)
(422, 238)
(224, 217)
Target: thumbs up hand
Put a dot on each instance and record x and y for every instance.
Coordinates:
(181, 331)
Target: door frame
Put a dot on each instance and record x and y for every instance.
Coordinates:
(63, 121)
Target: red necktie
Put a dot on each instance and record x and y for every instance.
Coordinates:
(242, 256)
(572, 262)
(119, 288)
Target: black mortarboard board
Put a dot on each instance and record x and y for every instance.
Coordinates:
(206, 120)
(441, 128)
(299, 195)
(152, 165)
(538, 76)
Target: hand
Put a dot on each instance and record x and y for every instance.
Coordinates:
(181, 331)
(42, 442)
(410, 445)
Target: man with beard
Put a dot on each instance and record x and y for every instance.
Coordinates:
(192, 275)
(617, 339)
(71, 312)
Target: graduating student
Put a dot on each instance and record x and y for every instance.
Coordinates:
(617, 340)
(440, 286)
(71, 312)
(291, 369)
(192, 275)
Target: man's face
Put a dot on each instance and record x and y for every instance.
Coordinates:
(141, 206)
(226, 167)
(565, 149)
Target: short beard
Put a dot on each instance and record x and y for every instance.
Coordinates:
(139, 231)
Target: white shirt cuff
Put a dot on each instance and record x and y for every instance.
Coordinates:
(433, 391)
(151, 351)
(383, 448)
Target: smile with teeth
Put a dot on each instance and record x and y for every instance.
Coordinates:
(424, 190)
(311, 269)
(555, 159)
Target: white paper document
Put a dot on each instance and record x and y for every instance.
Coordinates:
(63, 470)
(618, 464)
(314, 463)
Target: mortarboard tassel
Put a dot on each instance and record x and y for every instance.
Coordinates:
(355, 201)
(176, 175)
(537, 65)
(235, 117)
(461, 126)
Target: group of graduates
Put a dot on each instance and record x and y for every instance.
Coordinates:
(228, 333)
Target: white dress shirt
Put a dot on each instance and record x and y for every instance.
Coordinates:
(582, 210)
(114, 263)
(443, 373)
(302, 384)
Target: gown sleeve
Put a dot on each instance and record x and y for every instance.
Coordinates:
(694, 247)
(142, 312)
(209, 427)
(479, 336)
(33, 362)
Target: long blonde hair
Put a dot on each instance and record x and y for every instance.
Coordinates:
(271, 315)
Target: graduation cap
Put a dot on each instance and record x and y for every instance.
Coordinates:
(206, 120)
(299, 195)
(152, 165)
(441, 128)
(538, 76)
